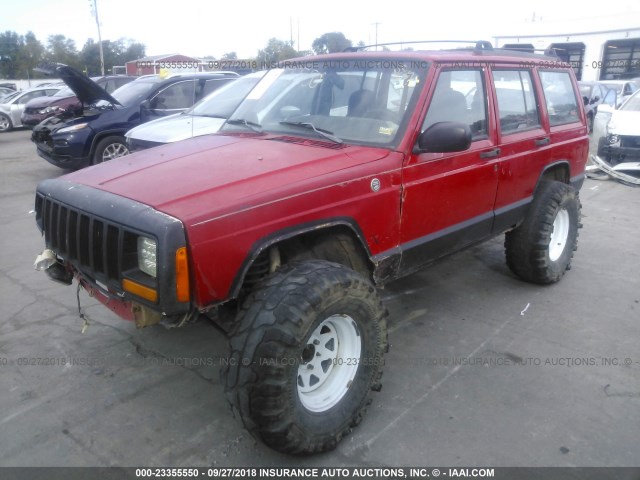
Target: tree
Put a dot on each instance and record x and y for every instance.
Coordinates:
(61, 49)
(115, 53)
(230, 56)
(276, 51)
(134, 51)
(31, 55)
(10, 46)
(330, 42)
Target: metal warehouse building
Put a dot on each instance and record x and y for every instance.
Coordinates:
(602, 48)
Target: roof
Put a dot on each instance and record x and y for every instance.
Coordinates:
(462, 55)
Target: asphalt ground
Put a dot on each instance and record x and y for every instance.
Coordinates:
(483, 369)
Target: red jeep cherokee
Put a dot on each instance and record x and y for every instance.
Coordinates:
(336, 175)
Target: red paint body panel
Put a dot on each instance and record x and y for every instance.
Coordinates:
(238, 190)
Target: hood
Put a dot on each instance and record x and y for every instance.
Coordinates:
(225, 172)
(175, 127)
(625, 123)
(86, 90)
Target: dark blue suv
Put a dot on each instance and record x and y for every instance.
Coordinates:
(98, 134)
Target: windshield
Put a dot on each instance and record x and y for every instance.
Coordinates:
(614, 86)
(222, 102)
(132, 92)
(10, 97)
(65, 92)
(633, 104)
(357, 101)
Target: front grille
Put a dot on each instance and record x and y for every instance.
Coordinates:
(95, 246)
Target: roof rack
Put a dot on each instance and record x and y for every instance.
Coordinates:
(480, 45)
(549, 51)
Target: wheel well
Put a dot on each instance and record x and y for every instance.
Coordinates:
(339, 244)
(558, 172)
(102, 135)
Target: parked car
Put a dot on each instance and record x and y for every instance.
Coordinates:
(64, 103)
(4, 91)
(336, 174)
(593, 94)
(98, 134)
(618, 132)
(12, 106)
(623, 88)
(205, 117)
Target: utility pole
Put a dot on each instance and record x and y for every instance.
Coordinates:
(94, 6)
(376, 41)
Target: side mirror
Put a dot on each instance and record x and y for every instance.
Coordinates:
(595, 99)
(146, 105)
(443, 137)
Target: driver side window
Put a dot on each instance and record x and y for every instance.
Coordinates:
(459, 96)
(175, 97)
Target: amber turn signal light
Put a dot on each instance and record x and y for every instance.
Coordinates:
(140, 290)
(182, 275)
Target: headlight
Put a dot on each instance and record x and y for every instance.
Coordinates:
(72, 128)
(52, 109)
(147, 256)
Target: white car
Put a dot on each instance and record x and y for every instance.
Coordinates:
(617, 133)
(204, 118)
(624, 89)
(12, 106)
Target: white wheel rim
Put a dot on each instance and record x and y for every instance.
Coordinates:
(114, 150)
(329, 363)
(559, 235)
(4, 123)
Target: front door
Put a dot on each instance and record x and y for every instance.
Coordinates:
(448, 198)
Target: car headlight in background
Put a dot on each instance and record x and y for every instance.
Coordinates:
(72, 128)
(51, 109)
(147, 256)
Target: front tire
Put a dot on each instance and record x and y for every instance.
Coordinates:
(5, 123)
(307, 351)
(109, 148)
(541, 248)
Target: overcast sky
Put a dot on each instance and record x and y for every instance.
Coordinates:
(200, 27)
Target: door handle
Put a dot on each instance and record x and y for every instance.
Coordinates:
(542, 141)
(491, 153)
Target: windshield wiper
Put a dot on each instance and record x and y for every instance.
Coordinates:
(256, 127)
(320, 131)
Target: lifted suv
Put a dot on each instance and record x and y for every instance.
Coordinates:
(336, 175)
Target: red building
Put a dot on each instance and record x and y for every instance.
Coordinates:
(153, 64)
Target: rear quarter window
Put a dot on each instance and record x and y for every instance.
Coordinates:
(561, 100)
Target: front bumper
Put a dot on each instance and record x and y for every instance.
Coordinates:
(98, 243)
(626, 149)
(68, 151)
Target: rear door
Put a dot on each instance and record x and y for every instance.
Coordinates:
(524, 142)
(448, 197)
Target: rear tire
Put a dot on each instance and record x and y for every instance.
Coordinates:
(307, 351)
(109, 148)
(541, 248)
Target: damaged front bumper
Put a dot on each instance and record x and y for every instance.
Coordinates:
(98, 245)
(616, 149)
